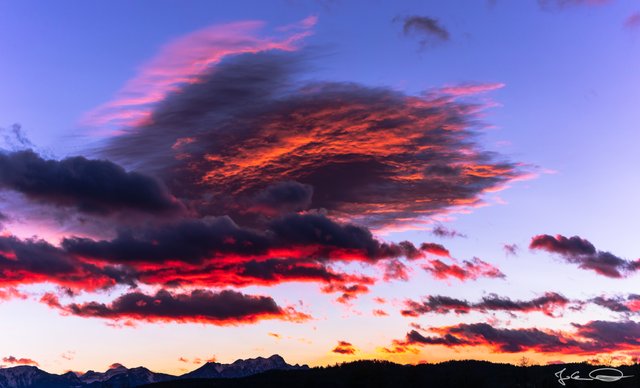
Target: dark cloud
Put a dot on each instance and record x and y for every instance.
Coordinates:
(36, 261)
(192, 241)
(547, 304)
(436, 304)
(591, 338)
(580, 251)
(281, 198)
(94, 186)
(610, 335)
(369, 154)
(442, 231)
(220, 308)
(19, 361)
(629, 304)
(429, 29)
(344, 347)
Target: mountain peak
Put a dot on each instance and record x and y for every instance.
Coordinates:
(116, 365)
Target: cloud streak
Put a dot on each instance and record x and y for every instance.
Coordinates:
(577, 250)
(220, 308)
(593, 337)
(547, 304)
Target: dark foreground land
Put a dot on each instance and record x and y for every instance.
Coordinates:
(455, 374)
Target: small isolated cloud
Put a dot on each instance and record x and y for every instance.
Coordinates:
(19, 361)
(577, 250)
(511, 249)
(468, 89)
(344, 348)
(380, 313)
(466, 270)
(435, 249)
(444, 232)
(430, 31)
(633, 21)
(548, 5)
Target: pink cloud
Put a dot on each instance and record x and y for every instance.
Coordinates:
(183, 61)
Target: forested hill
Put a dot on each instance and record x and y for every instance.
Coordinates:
(454, 374)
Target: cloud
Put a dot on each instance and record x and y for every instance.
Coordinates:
(344, 348)
(511, 249)
(282, 198)
(561, 4)
(219, 308)
(591, 338)
(19, 361)
(193, 241)
(435, 249)
(92, 186)
(380, 313)
(444, 232)
(577, 250)
(370, 155)
(430, 29)
(468, 89)
(11, 293)
(261, 177)
(633, 21)
(34, 261)
(182, 61)
(548, 304)
(217, 252)
(15, 139)
(629, 304)
(467, 270)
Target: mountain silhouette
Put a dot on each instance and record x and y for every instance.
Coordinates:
(274, 372)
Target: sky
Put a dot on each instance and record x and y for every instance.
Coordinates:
(415, 181)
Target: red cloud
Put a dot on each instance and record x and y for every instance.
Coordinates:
(467, 270)
(183, 61)
(593, 337)
(470, 88)
(344, 348)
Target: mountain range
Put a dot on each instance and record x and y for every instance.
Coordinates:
(119, 376)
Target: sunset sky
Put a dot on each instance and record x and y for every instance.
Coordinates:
(417, 181)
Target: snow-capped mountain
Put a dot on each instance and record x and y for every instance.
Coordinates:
(241, 368)
(119, 376)
(33, 377)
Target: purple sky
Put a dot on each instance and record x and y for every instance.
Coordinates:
(232, 179)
